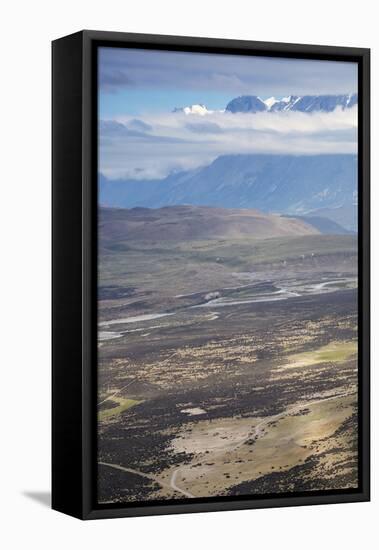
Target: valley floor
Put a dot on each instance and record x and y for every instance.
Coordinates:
(244, 387)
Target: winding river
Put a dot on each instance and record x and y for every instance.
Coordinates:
(283, 291)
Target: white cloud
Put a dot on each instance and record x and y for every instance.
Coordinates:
(176, 141)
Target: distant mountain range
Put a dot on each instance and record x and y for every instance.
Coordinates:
(315, 185)
(303, 104)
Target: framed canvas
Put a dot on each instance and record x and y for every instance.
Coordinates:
(210, 274)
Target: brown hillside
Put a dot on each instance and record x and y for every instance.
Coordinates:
(178, 223)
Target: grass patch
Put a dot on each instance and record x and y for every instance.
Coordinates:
(334, 352)
(123, 405)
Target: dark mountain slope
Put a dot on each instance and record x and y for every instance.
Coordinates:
(285, 184)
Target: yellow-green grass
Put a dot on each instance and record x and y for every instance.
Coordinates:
(334, 352)
(123, 405)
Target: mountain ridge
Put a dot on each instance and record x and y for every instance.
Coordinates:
(285, 184)
(254, 104)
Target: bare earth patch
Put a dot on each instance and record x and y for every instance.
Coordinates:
(228, 451)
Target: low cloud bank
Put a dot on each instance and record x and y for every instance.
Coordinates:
(155, 145)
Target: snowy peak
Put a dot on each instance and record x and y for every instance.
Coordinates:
(305, 104)
(285, 104)
(254, 104)
(325, 103)
(196, 109)
(270, 101)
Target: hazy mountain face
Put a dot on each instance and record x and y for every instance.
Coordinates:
(346, 215)
(271, 183)
(246, 104)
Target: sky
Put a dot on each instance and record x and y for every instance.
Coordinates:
(141, 138)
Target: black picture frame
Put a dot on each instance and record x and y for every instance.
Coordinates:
(74, 271)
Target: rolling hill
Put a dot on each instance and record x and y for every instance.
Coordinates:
(180, 223)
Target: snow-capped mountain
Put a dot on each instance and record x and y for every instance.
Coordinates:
(254, 104)
(196, 109)
(304, 104)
